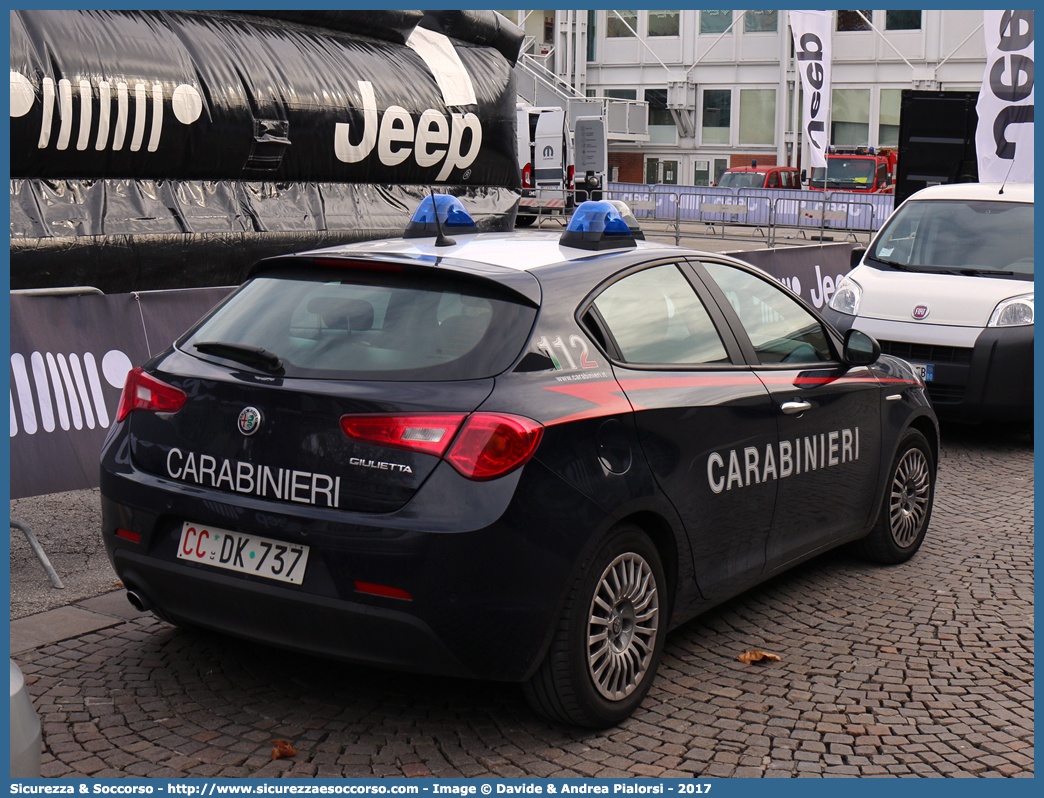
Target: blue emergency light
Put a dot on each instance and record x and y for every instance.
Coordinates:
(597, 225)
(451, 213)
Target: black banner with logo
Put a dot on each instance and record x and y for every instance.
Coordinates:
(226, 96)
(810, 272)
(69, 358)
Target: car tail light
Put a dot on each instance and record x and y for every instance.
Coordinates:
(481, 446)
(492, 445)
(527, 176)
(142, 391)
(569, 184)
(430, 434)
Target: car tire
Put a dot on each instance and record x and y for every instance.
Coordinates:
(906, 508)
(524, 221)
(609, 639)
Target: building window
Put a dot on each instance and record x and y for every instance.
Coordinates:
(658, 113)
(757, 121)
(888, 123)
(661, 121)
(715, 21)
(621, 94)
(760, 21)
(850, 20)
(663, 23)
(850, 117)
(615, 27)
(902, 20)
(717, 115)
(592, 28)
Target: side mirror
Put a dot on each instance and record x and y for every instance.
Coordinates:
(804, 176)
(857, 256)
(860, 349)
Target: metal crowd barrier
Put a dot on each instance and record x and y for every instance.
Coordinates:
(763, 210)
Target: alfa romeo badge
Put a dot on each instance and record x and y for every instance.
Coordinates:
(249, 420)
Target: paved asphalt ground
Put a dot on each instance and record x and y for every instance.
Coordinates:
(921, 669)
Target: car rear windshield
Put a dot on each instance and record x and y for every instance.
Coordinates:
(976, 237)
(365, 325)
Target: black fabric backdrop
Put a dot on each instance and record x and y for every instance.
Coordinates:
(71, 331)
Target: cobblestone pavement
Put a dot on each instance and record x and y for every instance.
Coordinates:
(922, 669)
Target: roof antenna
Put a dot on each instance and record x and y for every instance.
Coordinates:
(440, 238)
(1003, 182)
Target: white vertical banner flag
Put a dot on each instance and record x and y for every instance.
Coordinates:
(811, 31)
(1004, 135)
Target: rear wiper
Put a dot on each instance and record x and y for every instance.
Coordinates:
(241, 353)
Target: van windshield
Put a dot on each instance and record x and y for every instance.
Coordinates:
(742, 180)
(973, 237)
(845, 173)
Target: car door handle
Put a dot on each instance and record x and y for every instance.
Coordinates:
(790, 408)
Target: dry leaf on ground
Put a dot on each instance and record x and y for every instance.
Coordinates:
(282, 749)
(748, 657)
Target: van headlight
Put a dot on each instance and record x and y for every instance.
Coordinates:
(846, 297)
(1014, 312)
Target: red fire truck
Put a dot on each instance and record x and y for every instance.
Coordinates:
(858, 169)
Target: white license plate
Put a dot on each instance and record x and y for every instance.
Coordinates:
(248, 554)
(926, 371)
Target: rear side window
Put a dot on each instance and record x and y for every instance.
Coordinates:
(657, 318)
(369, 325)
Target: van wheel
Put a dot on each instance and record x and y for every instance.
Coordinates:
(907, 505)
(524, 221)
(609, 640)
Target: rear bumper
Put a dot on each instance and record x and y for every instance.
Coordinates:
(482, 602)
(990, 380)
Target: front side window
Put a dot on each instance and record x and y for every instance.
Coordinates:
(656, 317)
(779, 328)
(615, 27)
(663, 23)
(715, 21)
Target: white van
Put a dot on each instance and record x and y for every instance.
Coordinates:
(947, 284)
(545, 159)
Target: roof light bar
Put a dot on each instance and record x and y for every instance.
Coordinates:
(597, 225)
(451, 213)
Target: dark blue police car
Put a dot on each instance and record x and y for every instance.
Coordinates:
(518, 457)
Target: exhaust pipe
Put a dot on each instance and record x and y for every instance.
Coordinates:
(139, 601)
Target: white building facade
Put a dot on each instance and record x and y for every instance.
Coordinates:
(720, 84)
